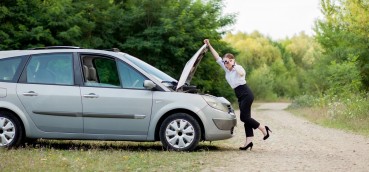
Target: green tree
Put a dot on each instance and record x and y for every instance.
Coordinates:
(271, 66)
(255, 49)
(300, 55)
(19, 24)
(172, 31)
(343, 33)
(261, 82)
(167, 33)
(164, 33)
(36, 23)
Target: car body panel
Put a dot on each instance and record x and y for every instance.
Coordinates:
(11, 102)
(53, 108)
(212, 131)
(164, 102)
(116, 111)
(190, 67)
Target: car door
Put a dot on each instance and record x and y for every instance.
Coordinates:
(47, 92)
(114, 99)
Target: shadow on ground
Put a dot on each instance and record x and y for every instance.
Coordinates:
(110, 145)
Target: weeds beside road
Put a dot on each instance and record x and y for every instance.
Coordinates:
(101, 156)
(321, 117)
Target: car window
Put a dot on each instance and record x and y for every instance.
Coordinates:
(130, 77)
(150, 69)
(101, 72)
(8, 68)
(51, 69)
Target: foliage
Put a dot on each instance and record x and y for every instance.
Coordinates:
(303, 101)
(343, 78)
(255, 49)
(36, 23)
(341, 65)
(163, 33)
(275, 69)
(339, 78)
(261, 82)
(349, 113)
(343, 33)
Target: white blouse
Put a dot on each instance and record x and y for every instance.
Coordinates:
(232, 77)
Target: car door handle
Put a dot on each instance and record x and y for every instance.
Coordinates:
(91, 95)
(30, 93)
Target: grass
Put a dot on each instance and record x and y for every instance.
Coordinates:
(45, 155)
(322, 117)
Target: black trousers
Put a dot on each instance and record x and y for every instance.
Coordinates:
(245, 99)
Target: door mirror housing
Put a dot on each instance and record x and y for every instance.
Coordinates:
(148, 84)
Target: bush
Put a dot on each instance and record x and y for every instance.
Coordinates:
(303, 101)
(261, 83)
(356, 107)
(344, 78)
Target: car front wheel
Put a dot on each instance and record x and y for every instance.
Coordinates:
(180, 132)
(10, 130)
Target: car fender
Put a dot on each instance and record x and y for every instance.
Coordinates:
(162, 108)
(20, 113)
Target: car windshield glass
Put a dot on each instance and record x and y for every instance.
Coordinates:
(150, 69)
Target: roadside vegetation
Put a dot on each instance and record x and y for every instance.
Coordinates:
(46, 155)
(340, 79)
(326, 76)
(164, 33)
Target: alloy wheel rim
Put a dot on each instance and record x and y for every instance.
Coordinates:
(8, 131)
(180, 133)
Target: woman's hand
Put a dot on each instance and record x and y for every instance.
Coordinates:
(238, 69)
(213, 52)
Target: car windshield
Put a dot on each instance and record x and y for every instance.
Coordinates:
(163, 77)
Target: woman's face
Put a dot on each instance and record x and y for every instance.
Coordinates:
(228, 62)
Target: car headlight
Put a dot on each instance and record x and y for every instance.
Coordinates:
(215, 103)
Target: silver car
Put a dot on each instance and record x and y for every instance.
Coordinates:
(85, 94)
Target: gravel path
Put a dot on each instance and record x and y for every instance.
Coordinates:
(294, 145)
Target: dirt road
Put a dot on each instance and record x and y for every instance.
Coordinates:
(294, 145)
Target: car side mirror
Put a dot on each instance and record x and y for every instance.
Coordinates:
(149, 84)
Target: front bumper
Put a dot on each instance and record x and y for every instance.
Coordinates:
(218, 125)
(225, 124)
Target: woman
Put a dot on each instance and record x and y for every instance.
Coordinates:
(235, 76)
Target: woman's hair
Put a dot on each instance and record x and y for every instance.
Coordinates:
(229, 56)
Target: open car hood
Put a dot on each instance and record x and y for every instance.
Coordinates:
(190, 68)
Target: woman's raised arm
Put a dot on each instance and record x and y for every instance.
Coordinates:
(212, 50)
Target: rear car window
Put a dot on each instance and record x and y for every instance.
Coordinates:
(9, 67)
(51, 69)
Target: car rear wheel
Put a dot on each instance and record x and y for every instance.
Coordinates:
(180, 132)
(11, 133)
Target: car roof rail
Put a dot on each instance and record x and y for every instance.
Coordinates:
(113, 49)
(55, 47)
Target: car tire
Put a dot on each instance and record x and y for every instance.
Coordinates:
(180, 132)
(11, 132)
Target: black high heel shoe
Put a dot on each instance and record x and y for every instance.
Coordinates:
(267, 130)
(247, 146)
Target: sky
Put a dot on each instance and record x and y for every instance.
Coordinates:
(275, 18)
